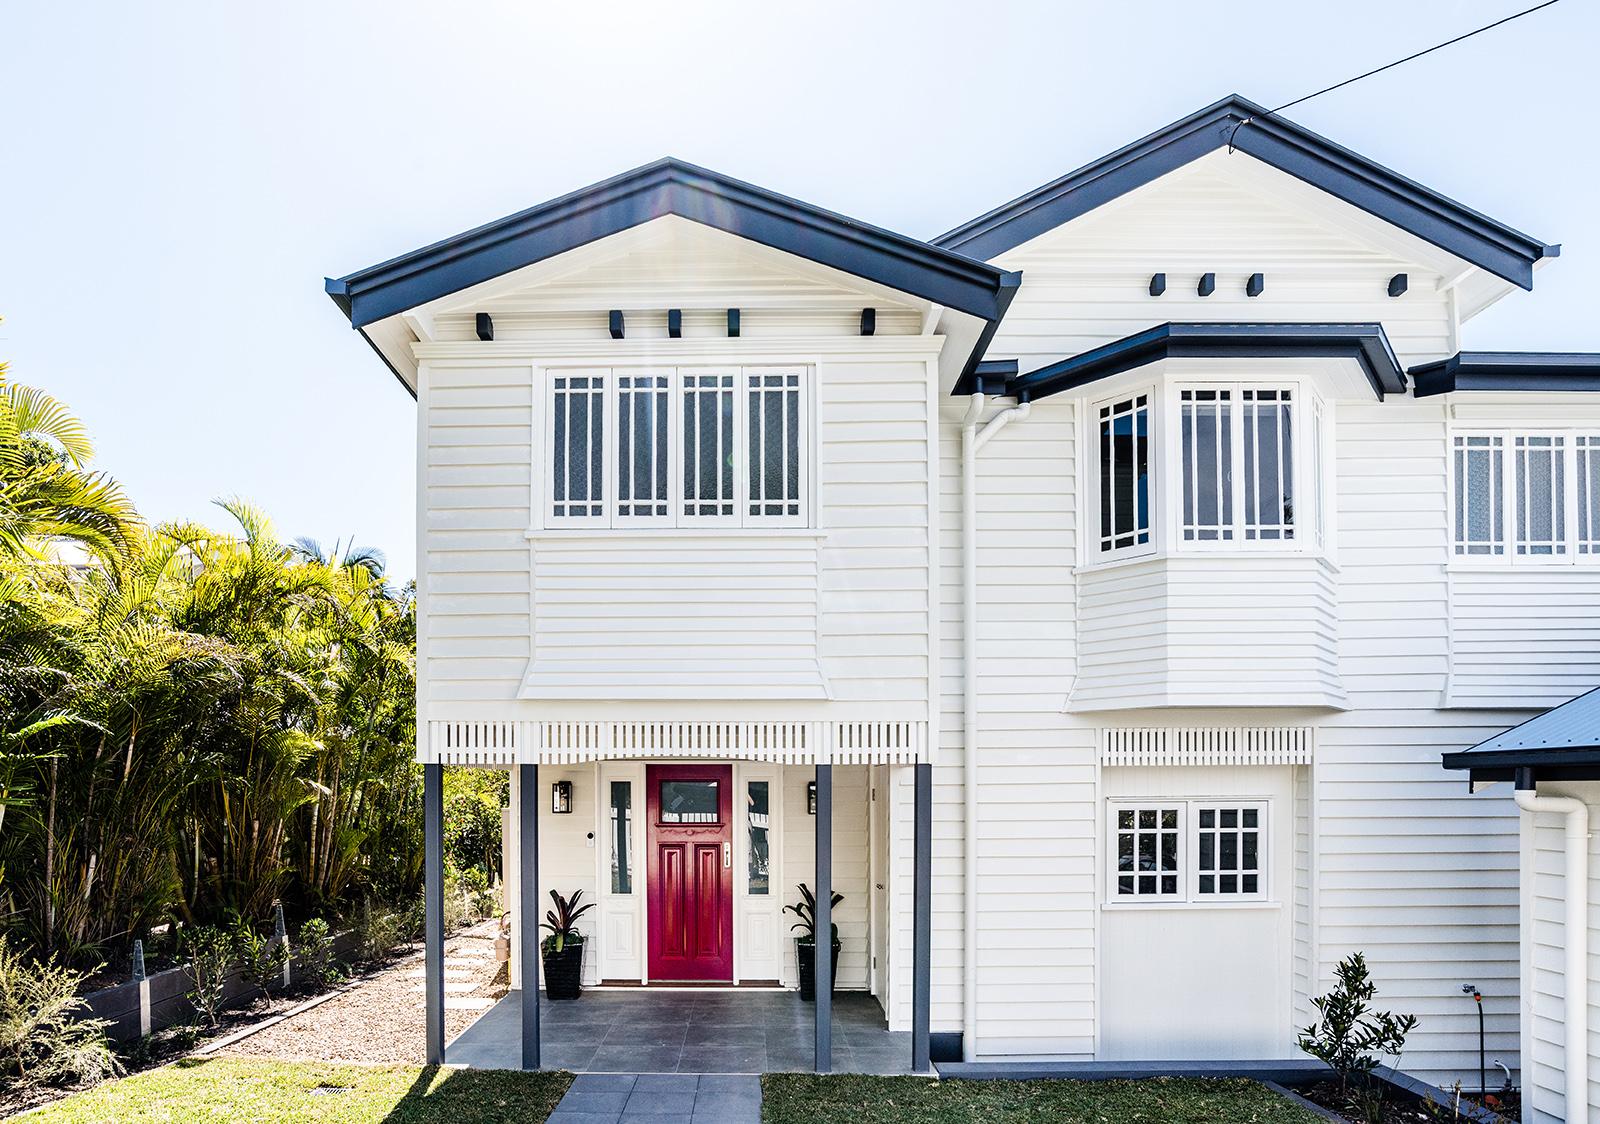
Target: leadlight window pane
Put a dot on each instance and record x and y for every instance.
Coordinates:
(1227, 851)
(1125, 474)
(621, 837)
(1268, 465)
(1540, 508)
(708, 446)
(578, 468)
(642, 445)
(774, 440)
(690, 802)
(1480, 495)
(1588, 494)
(757, 808)
(1206, 421)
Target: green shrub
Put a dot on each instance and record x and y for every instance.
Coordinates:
(377, 932)
(41, 1040)
(260, 958)
(209, 954)
(315, 947)
(472, 830)
(1352, 1038)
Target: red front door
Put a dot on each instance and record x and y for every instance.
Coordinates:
(690, 810)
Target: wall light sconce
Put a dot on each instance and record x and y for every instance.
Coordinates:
(561, 798)
(811, 797)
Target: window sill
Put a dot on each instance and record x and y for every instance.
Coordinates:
(1586, 563)
(1244, 555)
(576, 533)
(1219, 906)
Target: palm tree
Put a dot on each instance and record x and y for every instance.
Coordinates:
(46, 490)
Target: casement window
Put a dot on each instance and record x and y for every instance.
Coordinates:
(1237, 464)
(678, 448)
(1124, 473)
(1189, 851)
(1525, 497)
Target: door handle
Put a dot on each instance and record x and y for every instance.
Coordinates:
(727, 854)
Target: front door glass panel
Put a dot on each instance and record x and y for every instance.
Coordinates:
(690, 801)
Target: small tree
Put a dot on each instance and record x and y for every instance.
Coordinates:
(1352, 1038)
(210, 955)
(317, 968)
(261, 958)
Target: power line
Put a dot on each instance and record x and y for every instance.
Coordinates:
(1391, 66)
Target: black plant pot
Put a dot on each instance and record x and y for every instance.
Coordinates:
(806, 954)
(563, 972)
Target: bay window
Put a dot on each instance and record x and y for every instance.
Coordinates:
(1530, 496)
(677, 447)
(1210, 465)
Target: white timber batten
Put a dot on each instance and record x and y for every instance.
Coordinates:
(506, 742)
(1208, 745)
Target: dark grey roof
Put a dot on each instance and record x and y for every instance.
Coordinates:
(1509, 370)
(1250, 128)
(1563, 742)
(1365, 343)
(673, 187)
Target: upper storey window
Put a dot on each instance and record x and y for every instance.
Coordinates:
(1526, 496)
(678, 447)
(1227, 456)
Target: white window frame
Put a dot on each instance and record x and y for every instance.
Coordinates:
(610, 516)
(1302, 479)
(1189, 873)
(1151, 394)
(1113, 850)
(1573, 440)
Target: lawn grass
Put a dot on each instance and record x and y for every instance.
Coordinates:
(214, 1091)
(802, 1098)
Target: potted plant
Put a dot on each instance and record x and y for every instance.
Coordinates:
(805, 945)
(562, 950)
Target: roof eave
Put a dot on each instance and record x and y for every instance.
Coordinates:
(1241, 124)
(1509, 371)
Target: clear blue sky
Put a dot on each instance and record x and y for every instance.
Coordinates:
(179, 178)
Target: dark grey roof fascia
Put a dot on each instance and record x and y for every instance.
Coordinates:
(1509, 370)
(1367, 344)
(1291, 148)
(673, 187)
(1561, 743)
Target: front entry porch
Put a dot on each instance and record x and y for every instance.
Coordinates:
(643, 1030)
(690, 863)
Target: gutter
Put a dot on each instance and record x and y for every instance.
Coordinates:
(973, 439)
(1575, 934)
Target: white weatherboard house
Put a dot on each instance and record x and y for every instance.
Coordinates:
(1094, 589)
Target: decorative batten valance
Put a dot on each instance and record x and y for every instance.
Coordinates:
(573, 741)
(1208, 745)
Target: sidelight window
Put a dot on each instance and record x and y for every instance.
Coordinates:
(620, 837)
(759, 816)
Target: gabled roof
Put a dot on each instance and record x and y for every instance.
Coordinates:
(1508, 370)
(672, 187)
(1365, 343)
(1562, 743)
(1473, 237)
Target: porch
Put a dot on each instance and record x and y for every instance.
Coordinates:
(644, 1030)
(688, 963)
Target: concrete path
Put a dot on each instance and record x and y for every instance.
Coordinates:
(661, 1098)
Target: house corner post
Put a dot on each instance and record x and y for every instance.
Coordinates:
(822, 945)
(528, 900)
(922, 920)
(433, 905)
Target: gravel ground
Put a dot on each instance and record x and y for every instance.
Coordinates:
(381, 1019)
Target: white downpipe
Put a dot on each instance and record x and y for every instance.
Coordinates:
(1575, 982)
(972, 440)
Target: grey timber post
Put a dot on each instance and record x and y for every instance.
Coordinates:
(528, 899)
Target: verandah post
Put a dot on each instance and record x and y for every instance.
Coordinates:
(433, 905)
(528, 900)
(922, 919)
(822, 947)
